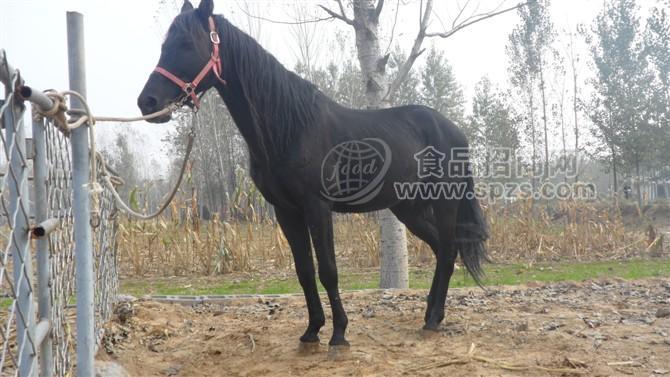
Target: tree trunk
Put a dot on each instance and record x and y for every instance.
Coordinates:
(638, 186)
(565, 148)
(532, 135)
(614, 176)
(545, 174)
(575, 110)
(393, 246)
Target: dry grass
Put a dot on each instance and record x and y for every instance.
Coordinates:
(186, 246)
(520, 232)
(568, 230)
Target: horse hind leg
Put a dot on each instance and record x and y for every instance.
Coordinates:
(446, 220)
(420, 220)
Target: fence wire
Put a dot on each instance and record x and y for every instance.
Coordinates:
(61, 247)
(105, 227)
(22, 351)
(16, 284)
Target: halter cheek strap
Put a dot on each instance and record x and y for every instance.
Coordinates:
(214, 64)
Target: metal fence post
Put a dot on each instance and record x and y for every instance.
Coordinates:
(84, 275)
(19, 212)
(42, 245)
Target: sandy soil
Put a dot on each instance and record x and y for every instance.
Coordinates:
(598, 328)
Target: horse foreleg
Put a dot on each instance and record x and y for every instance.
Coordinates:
(295, 229)
(320, 223)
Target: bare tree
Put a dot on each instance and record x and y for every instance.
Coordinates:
(308, 40)
(253, 24)
(529, 43)
(393, 248)
(365, 22)
(573, 57)
(558, 110)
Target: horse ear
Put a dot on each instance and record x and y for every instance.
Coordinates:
(206, 8)
(187, 6)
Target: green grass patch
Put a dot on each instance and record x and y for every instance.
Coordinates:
(5, 303)
(513, 274)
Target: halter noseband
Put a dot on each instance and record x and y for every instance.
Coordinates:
(214, 64)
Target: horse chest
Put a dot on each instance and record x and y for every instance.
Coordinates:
(269, 184)
(281, 184)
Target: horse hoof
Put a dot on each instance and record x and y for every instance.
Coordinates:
(308, 348)
(429, 333)
(339, 352)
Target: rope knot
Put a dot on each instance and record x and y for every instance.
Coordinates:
(95, 189)
(57, 111)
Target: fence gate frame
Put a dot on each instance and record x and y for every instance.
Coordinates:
(36, 316)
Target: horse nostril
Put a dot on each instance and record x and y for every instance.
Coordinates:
(147, 102)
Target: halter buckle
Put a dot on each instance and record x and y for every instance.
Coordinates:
(214, 37)
(188, 88)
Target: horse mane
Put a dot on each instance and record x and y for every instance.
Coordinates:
(281, 103)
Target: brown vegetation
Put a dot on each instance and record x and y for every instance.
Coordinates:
(183, 244)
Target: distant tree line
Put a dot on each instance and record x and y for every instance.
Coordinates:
(616, 113)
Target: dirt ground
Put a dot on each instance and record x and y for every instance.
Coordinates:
(594, 328)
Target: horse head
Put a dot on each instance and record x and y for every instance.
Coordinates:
(189, 63)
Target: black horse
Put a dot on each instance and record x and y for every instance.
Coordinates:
(310, 156)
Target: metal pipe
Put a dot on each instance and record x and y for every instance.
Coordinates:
(40, 173)
(42, 329)
(45, 227)
(18, 213)
(41, 100)
(82, 232)
(5, 70)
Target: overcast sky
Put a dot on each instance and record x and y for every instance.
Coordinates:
(123, 40)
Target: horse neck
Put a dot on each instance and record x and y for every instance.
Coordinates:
(240, 111)
(269, 120)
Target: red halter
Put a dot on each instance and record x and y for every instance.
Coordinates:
(214, 64)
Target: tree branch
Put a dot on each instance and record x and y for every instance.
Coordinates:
(342, 16)
(424, 18)
(378, 9)
(285, 22)
(342, 11)
(414, 54)
(460, 13)
(395, 22)
(475, 19)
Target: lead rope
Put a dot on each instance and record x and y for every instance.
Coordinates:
(57, 113)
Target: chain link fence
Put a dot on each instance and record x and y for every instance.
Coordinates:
(37, 260)
(16, 271)
(105, 228)
(60, 241)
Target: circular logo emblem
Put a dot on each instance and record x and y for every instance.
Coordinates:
(353, 171)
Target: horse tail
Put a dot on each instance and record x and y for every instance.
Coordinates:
(471, 233)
